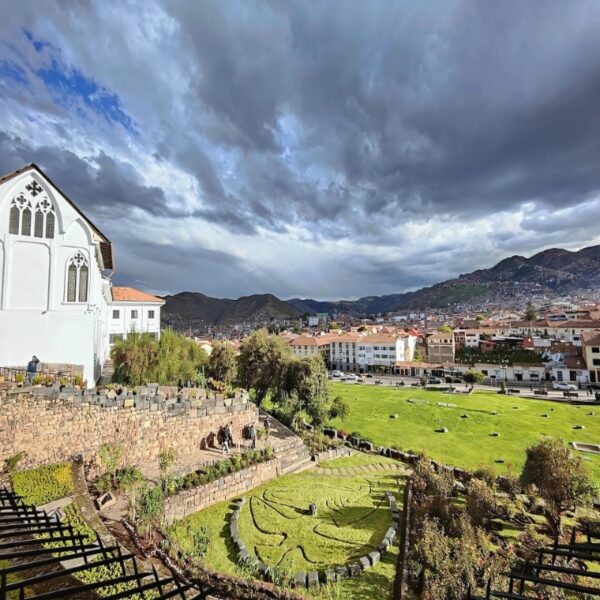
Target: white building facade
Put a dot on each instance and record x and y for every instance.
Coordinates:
(56, 296)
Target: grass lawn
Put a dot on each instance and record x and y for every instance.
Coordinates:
(352, 517)
(468, 443)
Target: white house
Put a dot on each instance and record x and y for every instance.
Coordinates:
(56, 296)
(133, 310)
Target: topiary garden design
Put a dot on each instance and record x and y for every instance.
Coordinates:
(325, 526)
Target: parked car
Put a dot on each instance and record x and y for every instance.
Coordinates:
(336, 374)
(351, 377)
(434, 380)
(564, 386)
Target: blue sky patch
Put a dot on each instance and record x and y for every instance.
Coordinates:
(69, 84)
(11, 70)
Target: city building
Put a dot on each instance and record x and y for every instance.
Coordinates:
(591, 354)
(440, 347)
(56, 296)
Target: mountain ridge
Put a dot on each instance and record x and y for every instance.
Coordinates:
(553, 270)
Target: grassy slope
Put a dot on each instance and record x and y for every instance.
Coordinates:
(468, 443)
(298, 491)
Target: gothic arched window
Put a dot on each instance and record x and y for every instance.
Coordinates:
(26, 221)
(15, 217)
(77, 279)
(22, 216)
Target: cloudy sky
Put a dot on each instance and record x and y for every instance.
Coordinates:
(315, 149)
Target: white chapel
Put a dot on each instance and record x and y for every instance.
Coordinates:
(57, 300)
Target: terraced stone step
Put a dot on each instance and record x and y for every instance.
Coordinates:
(361, 470)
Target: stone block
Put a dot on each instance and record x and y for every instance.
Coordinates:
(354, 569)
(312, 579)
(128, 403)
(263, 569)
(341, 573)
(243, 555)
(374, 557)
(364, 562)
(301, 578)
(383, 546)
(328, 576)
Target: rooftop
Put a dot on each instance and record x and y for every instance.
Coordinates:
(129, 294)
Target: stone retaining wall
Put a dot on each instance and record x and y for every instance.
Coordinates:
(332, 453)
(190, 501)
(56, 427)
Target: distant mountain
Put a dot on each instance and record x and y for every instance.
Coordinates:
(554, 270)
(193, 308)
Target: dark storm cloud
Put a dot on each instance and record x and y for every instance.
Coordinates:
(354, 129)
(97, 185)
(449, 107)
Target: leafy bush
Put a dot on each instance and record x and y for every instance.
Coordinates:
(44, 484)
(12, 461)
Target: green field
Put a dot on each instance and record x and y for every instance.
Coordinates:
(352, 518)
(468, 443)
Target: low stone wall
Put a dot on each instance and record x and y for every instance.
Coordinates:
(190, 501)
(332, 453)
(51, 425)
(314, 578)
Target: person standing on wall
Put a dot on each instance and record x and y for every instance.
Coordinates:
(32, 367)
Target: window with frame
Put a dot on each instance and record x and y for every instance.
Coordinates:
(77, 278)
(116, 314)
(151, 314)
(26, 219)
(596, 349)
(113, 337)
(134, 314)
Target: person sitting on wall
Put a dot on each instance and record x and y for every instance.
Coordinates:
(252, 435)
(225, 440)
(32, 367)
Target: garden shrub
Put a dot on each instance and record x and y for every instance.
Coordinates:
(12, 461)
(213, 472)
(44, 484)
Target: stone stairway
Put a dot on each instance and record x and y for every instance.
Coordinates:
(289, 449)
(107, 372)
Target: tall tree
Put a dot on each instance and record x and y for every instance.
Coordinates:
(262, 357)
(222, 364)
(560, 478)
(530, 312)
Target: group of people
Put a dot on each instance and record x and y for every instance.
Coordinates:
(227, 435)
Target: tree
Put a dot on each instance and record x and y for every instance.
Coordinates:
(480, 317)
(473, 376)
(222, 363)
(140, 359)
(340, 409)
(177, 359)
(418, 356)
(334, 325)
(560, 478)
(262, 357)
(306, 380)
(445, 329)
(134, 359)
(530, 312)
(481, 502)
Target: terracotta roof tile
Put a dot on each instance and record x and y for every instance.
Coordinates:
(128, 294)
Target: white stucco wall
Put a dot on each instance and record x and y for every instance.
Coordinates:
(35, 317)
